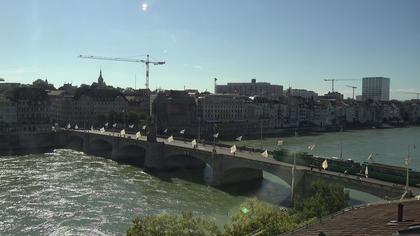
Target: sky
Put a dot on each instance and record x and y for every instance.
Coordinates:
(296, 43)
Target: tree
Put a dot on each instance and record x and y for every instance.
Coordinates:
(323, 200)
(172, 225)
(68, 88)
(43, 84)
(256, 217)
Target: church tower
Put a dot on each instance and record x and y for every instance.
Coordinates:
(100, 79)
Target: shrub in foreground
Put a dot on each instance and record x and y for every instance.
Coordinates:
(259, 218)
(172, 225)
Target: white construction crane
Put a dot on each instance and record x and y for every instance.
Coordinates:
(146, 62)
(333, 80)
(353, 87)
(417, 93)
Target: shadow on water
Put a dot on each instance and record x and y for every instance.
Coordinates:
(190, 175)
(269, 189)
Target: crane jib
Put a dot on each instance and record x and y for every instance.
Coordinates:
(147, 62)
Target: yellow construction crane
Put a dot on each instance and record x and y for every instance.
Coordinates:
(146, 62)
(353, 87)
(333, 80)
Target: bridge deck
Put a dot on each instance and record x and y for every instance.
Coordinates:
(257, 157)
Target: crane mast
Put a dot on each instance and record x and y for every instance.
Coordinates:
(353, 87)
(333, 80)
(146, 62)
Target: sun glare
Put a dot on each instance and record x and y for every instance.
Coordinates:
(144, 7)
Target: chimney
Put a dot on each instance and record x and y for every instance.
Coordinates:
(400, 212)
(253, 81)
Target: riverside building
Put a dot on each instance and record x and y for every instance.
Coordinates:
(254, 88)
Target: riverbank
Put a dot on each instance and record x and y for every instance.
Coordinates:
(310, 131)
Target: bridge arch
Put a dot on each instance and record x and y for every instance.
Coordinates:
(192, 166)
(282, 172)
(100, 147)
(74, 142)
(130, 154)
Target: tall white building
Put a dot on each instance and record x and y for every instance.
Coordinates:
(376, 88)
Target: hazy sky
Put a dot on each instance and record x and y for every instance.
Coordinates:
(296, 42)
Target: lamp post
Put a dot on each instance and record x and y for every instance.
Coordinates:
(261, 133)
(199, 129)
(293, 178)
(407, 164)
(407, 192)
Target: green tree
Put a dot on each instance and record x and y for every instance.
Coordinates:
(256, 217)
(43, 84)
(172, 225)
(323, 200)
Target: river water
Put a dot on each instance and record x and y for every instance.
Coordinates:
(390, 146)
(70, 193)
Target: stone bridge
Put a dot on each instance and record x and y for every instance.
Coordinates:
(225, 167)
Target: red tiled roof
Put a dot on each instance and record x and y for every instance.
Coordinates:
(375, 219)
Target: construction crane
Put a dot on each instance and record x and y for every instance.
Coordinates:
(333, 80)
(353, 87)
(417, 93)
(146, 62)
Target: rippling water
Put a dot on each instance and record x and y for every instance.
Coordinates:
(70, 193)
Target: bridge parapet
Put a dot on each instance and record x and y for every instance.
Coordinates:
(227, 169)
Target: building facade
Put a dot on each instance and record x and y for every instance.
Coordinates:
(376, 88)
(8, 112)
(174, 110)
(139, 101)
(307, 94)
(32, 111)
(251, 89)
(86, 106)
(221, 108)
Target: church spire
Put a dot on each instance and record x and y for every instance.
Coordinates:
(100, 79)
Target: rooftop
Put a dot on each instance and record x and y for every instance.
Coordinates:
(371, 219)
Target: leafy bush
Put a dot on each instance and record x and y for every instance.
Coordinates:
(323, 200)
(253, 218)
(259, 217)
(172, 225)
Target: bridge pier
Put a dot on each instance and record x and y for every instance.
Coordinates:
(155, 158)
